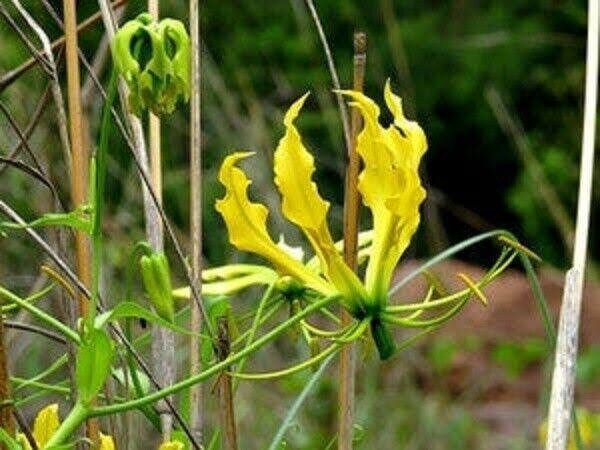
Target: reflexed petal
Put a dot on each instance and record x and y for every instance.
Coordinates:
(230, 286)
(389, 184)
(247, 225)
(302, 205)
(45, 425)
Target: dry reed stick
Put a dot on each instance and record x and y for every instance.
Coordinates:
(347, 366)
(6, 409)
(79, 166)
(565, 363)
(196, 392)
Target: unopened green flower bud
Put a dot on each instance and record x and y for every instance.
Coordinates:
(156, 276)
(153, 58)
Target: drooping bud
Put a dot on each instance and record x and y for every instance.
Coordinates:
(153, 58)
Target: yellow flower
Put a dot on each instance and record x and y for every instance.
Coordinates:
(45, 425)
(171, 445)
(390, 187)
(589, 429)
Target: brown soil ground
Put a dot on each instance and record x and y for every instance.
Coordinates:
(506, 404)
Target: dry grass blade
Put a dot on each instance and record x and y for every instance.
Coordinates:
(332, 70)
(14, 74)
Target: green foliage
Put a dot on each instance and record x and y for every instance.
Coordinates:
(588, 366)
(516, 357)
(441, 353)
(94, 359)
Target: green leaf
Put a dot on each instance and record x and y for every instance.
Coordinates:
(133, 310)
(94, 360)
(78, 219)
(9, 441)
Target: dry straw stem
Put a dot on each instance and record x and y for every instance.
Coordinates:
(196, 392)
(347, 367)
(544, 189)
(8, 78)
(563, 379)
(226, 408)
(333, 72)
(56, 90)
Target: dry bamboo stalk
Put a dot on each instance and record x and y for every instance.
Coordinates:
(196, 392)
(351, 215)
(6, 411)
(565, 363)
(226, 408)
(79, 166)
(163, 340)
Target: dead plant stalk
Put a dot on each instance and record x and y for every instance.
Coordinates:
(196, 392)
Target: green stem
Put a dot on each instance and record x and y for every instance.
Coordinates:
(76, 417)
(41, 315)
(216, 368)
(384, 341)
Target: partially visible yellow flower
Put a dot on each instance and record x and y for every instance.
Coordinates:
(589, 430)
(389, 184)
(45, 425)
(171, 445)
(106, 442)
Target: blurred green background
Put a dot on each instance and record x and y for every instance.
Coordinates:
(497, 87)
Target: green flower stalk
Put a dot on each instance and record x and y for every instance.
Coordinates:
(153, 58)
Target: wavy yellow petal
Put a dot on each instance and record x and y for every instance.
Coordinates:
(303, 206)
(247, 225)
(45, 425)
(389, 184)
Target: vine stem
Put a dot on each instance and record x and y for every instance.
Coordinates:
(215, 368)
(80, 413)
(347, 366)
